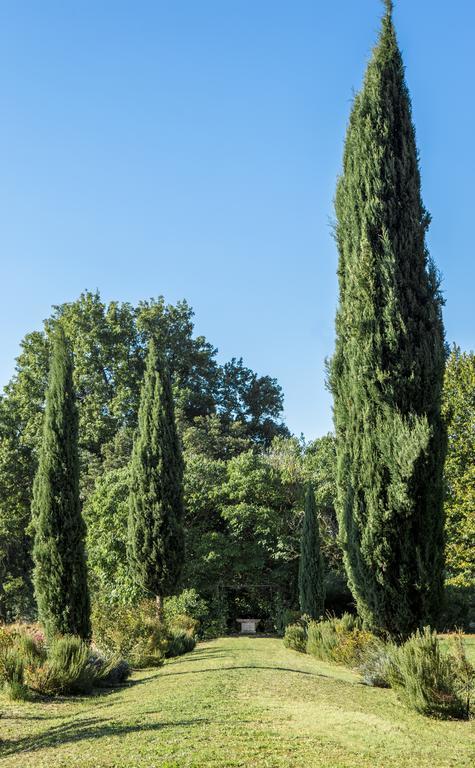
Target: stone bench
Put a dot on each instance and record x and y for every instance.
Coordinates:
(248, 626)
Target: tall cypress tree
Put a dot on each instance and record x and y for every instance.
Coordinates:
(60, 573)
(311, 586)
(155, 532)
(387, 371)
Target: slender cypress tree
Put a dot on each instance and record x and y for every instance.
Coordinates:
(155, 531)
(311, 586)
(387, 371)
(60, 573)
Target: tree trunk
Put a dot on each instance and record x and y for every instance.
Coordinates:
(159, 608)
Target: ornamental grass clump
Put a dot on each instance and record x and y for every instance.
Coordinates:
(429, 679)
(73, 667)
(67, 669)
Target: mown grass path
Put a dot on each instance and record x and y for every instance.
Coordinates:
(233, 702)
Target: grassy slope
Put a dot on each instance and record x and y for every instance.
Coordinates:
(234, 702)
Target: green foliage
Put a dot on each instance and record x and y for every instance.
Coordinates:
(187, 611)
(12, 668)
(296, 637)
(155, 529)
(464, 671)
(106, 514)
(130, 632)
(109, 672)
(60, 574)
(319, 468)
(67, 669)
(179, 642)
(340, 640)
(427, 678)
(459, 607)
(353, 647)
(459, 412)
(16, 591)
(311, 583)
(387, 371)
(224, 412)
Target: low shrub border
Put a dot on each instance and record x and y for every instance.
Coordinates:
(430, 679)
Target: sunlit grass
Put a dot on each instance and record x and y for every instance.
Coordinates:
(234, 702)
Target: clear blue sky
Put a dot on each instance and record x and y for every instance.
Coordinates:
(190, 148)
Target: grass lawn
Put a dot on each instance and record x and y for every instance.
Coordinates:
(233, 702)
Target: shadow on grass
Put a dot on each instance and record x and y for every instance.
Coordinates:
(84, 730)
(197, 656)
(248, 666)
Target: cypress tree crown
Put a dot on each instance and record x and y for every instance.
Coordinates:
(60, 574)
(155, 533)
(311, 583)
(387, 371)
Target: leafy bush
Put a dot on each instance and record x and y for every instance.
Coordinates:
(427, 678)
(6, 642)
(183, 623)
(131, 633)
(214, 628)
(187, 603)
(296, 637)
(283, 617)
(180, 643)
(341, 640)
(17, 652)
(353, 646)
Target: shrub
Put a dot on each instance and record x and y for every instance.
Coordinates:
(427, 679)
(13, 673)
(16, 653)
(180, 643)
(374, 664)
(214, 628)
(341, 640)
(296, 637)
(187, 603)
(353, 646)
(131, 633)
(6, 642)
(108, 671)
(284, 617)
(68, 668)
(31, 649)
(464, 671)
(183, 623)
(322, 639)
